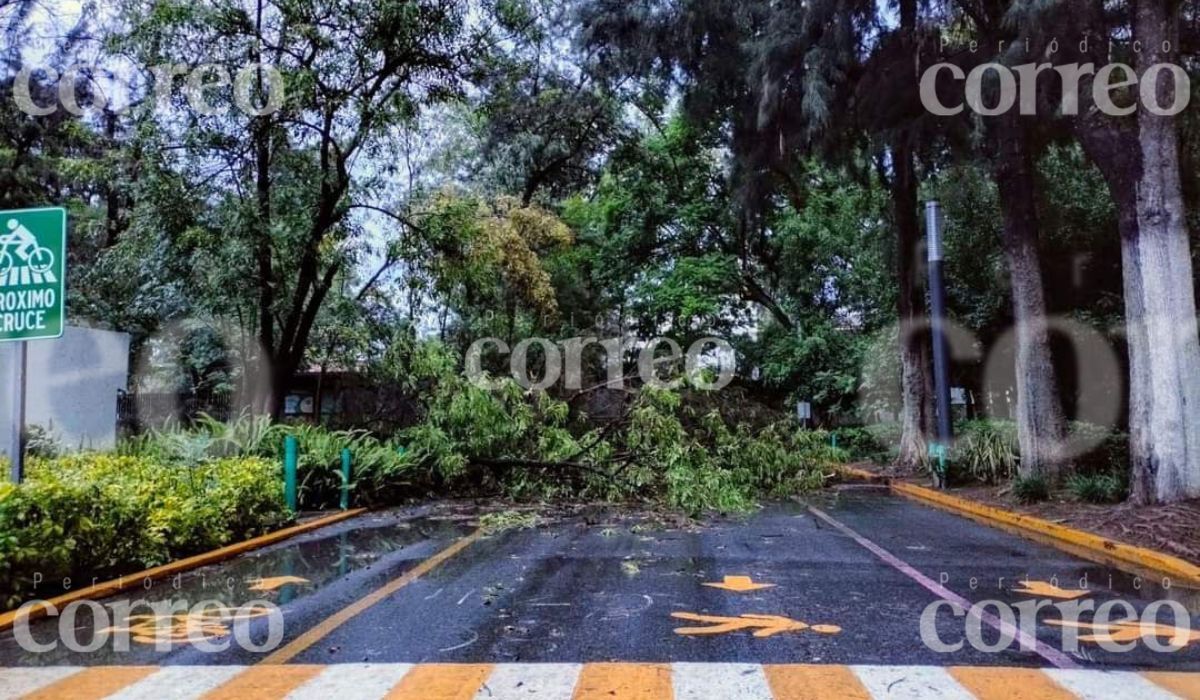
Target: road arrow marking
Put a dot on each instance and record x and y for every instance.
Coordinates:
(270, 584)
(741, 584)
(1049, 590)
(763, 625)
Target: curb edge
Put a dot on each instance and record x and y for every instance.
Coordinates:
(1074, 541)
(108, 588)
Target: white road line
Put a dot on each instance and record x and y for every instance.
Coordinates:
(700, 681)
(536, 681)
(1101, 685)
(910, 682)
(15, 682)
(351, 682)
(178, 683)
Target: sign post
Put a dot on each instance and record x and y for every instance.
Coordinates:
(937, 322)
(33, 272)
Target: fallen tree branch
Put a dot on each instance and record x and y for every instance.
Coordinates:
(509, 463)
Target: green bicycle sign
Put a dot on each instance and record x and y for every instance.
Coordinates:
(32, 273)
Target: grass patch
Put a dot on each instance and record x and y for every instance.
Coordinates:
(1030, 489)
(1097, 488)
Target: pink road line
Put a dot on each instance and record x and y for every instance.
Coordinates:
(1054, 656)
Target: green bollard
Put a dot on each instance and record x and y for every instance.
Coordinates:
(938, 452)
(833, 440)
(291, 450)
(345, 478)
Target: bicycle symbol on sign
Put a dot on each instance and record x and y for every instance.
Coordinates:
(24, 244)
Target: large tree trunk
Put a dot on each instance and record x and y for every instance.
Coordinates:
(1041, 427)
(1139, 159)
(915, 378)
(1159, 290)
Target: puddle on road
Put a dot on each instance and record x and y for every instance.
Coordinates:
(279, 574)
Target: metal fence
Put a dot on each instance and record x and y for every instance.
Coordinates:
(139, 412)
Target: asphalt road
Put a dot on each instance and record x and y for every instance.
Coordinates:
(838, 581)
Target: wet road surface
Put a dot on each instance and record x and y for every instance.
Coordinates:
(825, 596)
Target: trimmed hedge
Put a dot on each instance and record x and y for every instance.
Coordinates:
(91, 516)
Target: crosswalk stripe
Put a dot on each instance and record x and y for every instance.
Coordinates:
(624, 682)
(814, 682)
(707, 681)
(895, 682)
(351, 682)
(15, 682)
(699, 681)
(1099, 685)
(1185, 685)
(264, 682)
(178, 683)
(600, 681)
(92, 683)
(988, 683)
(441, 682)
(534, 681)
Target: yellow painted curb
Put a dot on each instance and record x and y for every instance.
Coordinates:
(103, 590)
(1084, 544)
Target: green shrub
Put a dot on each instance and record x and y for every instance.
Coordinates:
(868, 443)
(1030, 489)
(1098, 488)
(376, 475)
(987, 451)
(94, 515)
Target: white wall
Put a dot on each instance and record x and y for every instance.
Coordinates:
(71, 387)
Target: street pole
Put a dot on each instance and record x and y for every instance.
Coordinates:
(16, 442)
(937, 319)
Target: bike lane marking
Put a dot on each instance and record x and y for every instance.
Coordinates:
(1054, 656)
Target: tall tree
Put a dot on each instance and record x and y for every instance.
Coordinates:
(1011, 144)
(290, 178)
(1138, 155)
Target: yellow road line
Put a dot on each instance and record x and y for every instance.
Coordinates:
(108, 588)
(264, 682)
(624, 682)
(92, 683)
(341, 617)
(441, 682)
(813, 682)
(989, 683)
(1185, 685)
